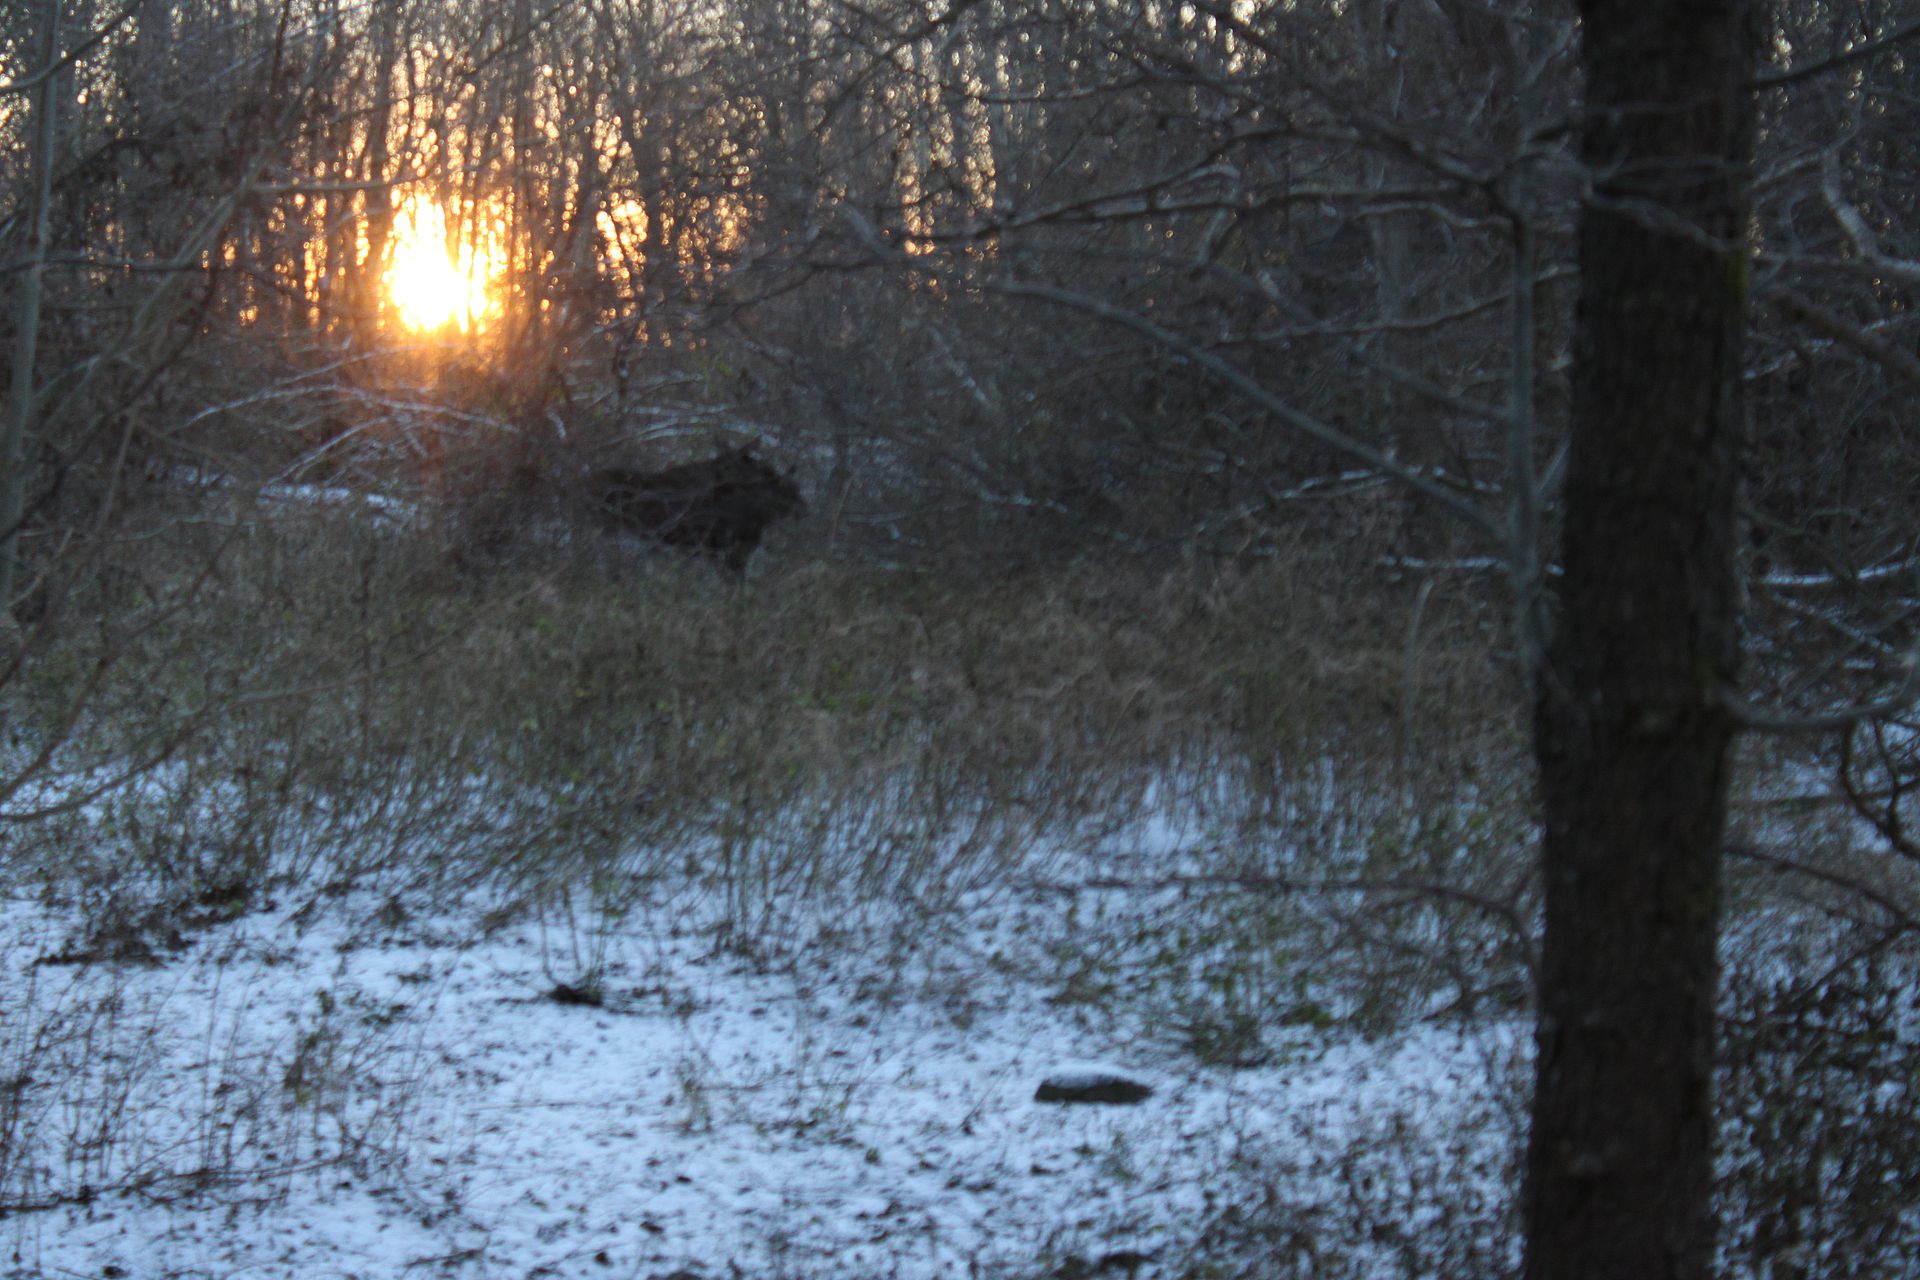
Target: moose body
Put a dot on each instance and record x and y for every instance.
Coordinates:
(720, 506)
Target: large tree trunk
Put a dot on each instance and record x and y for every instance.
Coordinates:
(1631, 732)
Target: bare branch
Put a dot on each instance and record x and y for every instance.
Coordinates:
(54, 66)
(1865, 243)
(1859, 53)
(1856, 339)
(1229, 374)
(1758, 720)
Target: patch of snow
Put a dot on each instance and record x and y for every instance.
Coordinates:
(359, 1091)
(1084, 1075)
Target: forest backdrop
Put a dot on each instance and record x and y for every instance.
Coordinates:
(1050, 292)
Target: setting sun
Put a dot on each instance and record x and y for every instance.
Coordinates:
(433, 282)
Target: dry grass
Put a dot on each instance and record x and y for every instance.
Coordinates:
(331, 696)
(314, 696)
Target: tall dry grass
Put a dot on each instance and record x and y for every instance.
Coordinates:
(341, 696)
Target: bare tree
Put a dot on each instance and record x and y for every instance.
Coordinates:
(26, 318)
(112, 287)
(1633, 725)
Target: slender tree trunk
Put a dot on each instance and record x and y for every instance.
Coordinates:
(1631, 733)
(26, 332)
(369, 273)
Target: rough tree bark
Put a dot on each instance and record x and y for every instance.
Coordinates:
(1631, 730)
(26, 332)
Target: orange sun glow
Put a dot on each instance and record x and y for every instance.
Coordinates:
(433, 281)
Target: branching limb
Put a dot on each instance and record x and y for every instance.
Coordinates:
(1759, 720)
(1223, 370)
(56, 64)
(1227, 373)
(1866, 244)
(1859, 53)
(1892, 359)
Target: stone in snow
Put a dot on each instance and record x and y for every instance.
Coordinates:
(1092, 1082)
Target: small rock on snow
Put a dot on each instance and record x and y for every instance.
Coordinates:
(1092, 1082)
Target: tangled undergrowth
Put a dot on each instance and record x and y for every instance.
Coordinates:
(303, 698)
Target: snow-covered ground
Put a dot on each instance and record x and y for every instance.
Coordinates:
(370, 1085)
